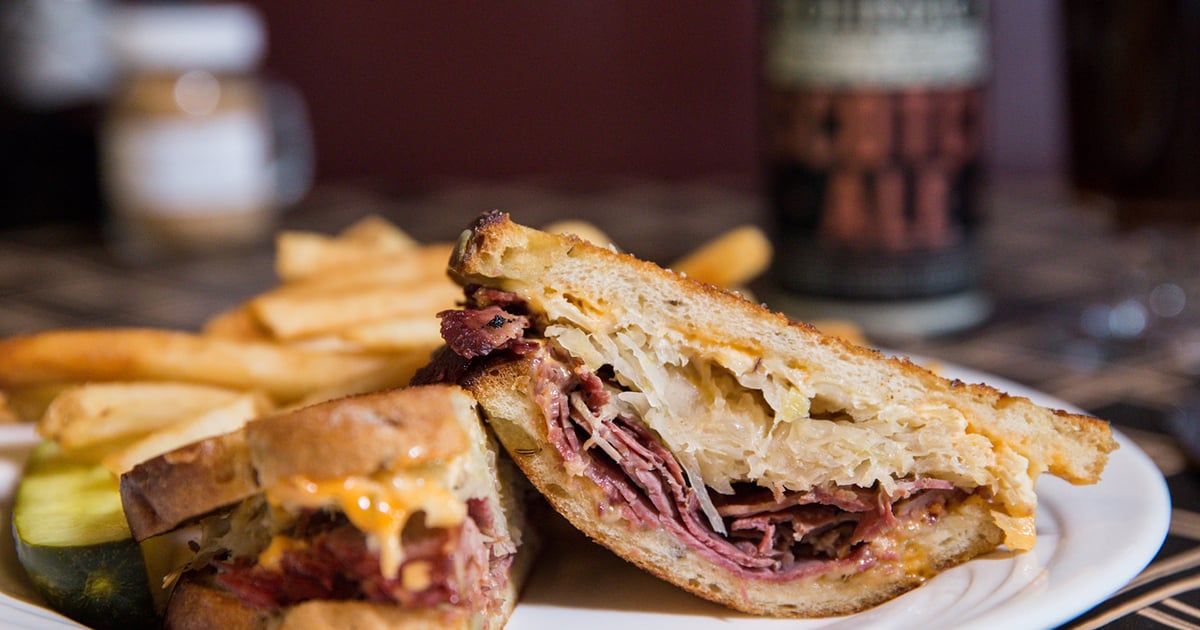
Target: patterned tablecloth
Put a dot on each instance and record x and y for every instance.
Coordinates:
(1074, 310)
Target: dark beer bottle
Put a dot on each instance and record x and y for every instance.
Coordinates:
(874, 132)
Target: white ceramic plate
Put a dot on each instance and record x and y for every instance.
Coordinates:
(1075, 565)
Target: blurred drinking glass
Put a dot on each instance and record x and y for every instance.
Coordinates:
(1134, 105)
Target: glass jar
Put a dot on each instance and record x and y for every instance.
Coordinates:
(873, 160)
(187, 140)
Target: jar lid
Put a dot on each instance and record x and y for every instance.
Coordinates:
(224, 37)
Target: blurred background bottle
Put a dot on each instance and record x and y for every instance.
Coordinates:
(874, 134)
(55, 75)
(187, 143)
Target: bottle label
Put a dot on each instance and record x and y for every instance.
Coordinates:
(187, 167)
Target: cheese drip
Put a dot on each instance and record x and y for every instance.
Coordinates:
(379, 508)
(1020, 532)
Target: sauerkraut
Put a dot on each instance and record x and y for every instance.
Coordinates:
(731, 416)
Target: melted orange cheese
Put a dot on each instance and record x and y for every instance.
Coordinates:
(1020, 532)
(380, 508)
(269, 558)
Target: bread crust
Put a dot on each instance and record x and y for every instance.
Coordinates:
(163, 493)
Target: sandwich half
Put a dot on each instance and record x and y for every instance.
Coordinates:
(381, 510)
(741, 456)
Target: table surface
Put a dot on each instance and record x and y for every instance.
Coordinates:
(1049, 259)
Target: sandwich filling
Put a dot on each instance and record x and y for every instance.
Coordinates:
(593, 421)
(272, 558)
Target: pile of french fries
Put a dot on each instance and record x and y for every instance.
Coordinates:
(353, 312)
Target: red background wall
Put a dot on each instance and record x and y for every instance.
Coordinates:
(411, 92)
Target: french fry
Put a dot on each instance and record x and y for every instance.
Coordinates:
(582, 229)
(731, 259)
(296, 315)
(300, 255)
(186, 429)
(330, 343)
(238, 323)
(91, 414)
(424, 264)
(376, 232)
(400, 334)
(397, 373)
(129, 354)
